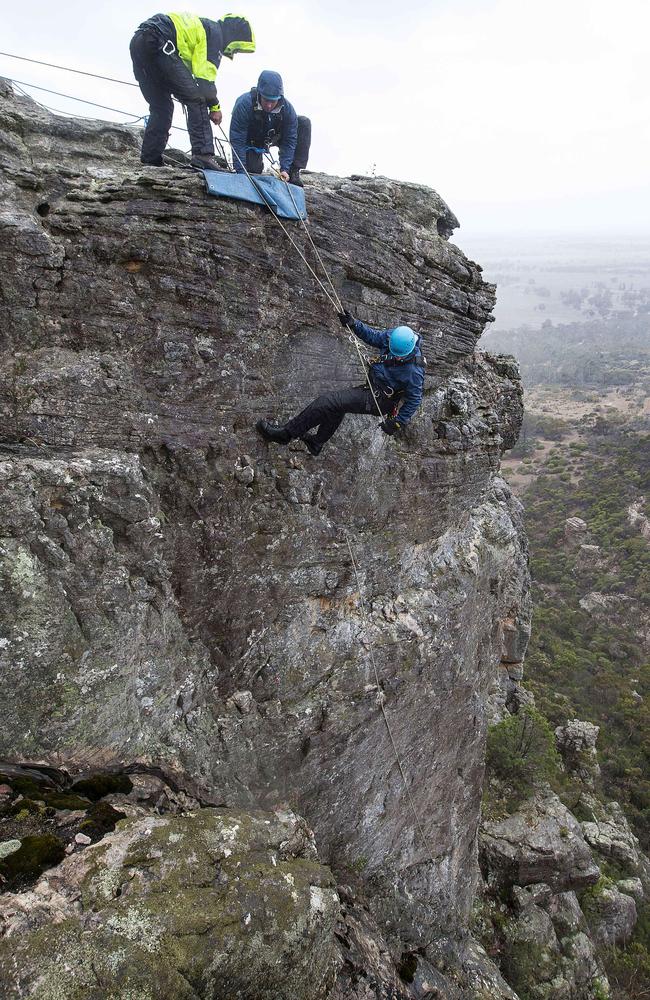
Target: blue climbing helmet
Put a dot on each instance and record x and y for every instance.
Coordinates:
(402, 341)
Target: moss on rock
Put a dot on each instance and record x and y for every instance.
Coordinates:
(102, 819)
(97, 786)
(65, 800)
(213, 904)
(35, 855)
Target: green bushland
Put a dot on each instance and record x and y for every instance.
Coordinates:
(586, 666)
(521, 754)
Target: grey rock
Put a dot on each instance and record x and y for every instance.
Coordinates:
(8, 847)
(632, 887)
(610, 835)
(542, 842)
(533, 895)
(612, 916)
(589, 557)
(516, 636)
(532, 948)
(576, 742)
(145, 584)
(575, 530)
(218, 903)
(548, 951)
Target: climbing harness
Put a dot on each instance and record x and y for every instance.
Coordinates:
(260, 137)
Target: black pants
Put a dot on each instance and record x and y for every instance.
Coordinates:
(327, 411)
(160, 76)
(255, 163)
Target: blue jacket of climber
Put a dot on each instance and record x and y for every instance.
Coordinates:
(254, 130)
(393, 390)
(405, 379)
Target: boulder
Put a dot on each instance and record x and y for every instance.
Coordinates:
(215, 904)
(576, 742)
(611, 915)
(541, 842)
(575, 531)
(610, 835)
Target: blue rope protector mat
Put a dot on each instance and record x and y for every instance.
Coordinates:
(275, 194)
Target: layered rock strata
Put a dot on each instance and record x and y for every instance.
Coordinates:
(177, 593)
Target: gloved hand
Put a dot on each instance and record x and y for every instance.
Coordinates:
(390, 425)
(346, 319)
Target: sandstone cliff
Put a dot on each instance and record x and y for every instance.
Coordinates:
(177, 595)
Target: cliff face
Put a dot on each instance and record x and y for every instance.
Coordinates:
(177, 593)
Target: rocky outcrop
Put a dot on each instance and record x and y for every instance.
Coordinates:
(548, 909)
(212, 904)
(612, 916)
(176, 593)
(608, 833)
(540, 843)
(576, 742)
(550, 952)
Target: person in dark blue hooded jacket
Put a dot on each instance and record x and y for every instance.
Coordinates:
(262, 118)
(396, 378)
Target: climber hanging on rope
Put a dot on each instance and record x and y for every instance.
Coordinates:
(263, 118)
(179, 55)
(393, 389)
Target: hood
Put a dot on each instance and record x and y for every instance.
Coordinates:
(269, 84)
(237, 35)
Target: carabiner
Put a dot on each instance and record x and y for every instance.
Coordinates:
(166, 51)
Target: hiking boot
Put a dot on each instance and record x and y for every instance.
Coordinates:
(272, 432)
(313, 446)
(294, 177)
(204, 161)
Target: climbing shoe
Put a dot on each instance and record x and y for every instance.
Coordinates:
(313, 446)
(294, 177)
(272, 432)
(205, 162)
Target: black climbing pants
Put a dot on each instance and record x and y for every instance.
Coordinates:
(327, 411)
(160, 76)
(255, 161)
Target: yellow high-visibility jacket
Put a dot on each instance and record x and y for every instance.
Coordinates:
(201, 43)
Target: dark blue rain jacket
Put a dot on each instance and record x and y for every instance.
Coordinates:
(406, 378)
(254, 129)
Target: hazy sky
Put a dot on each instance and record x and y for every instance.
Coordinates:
(523, 114)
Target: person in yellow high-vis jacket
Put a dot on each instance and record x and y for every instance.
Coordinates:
(178, 55)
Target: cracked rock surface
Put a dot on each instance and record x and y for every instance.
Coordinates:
(176, 592)
(213, 904)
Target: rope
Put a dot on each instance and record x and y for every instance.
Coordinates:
(69, 69)
(314, 247)
(362, 605)
(338, 306)
(59, 111)
(82, 100)
(262, 195)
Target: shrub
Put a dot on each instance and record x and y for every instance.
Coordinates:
(521, 754)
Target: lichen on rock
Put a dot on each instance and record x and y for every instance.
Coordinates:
(179, 595)
(215, 904)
